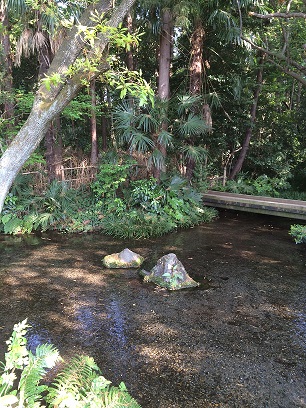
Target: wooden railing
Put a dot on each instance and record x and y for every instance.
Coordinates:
(258, 204)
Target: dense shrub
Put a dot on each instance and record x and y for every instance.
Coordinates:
(262, 185)
(298, 232)
(114, 205)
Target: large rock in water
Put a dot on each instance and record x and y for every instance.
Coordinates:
(123, 259)
(169, 273)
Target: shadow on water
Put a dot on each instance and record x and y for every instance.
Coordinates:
(239, 340)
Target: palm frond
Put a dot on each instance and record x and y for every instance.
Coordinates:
(213, 99)
(18, 7)
(224, 22)
(187, 102)
(164, 138)
(24, 45)
(147, 123)
(195, 153)
(193, 126)
(141, 143)
(123, 115)
(156, 160)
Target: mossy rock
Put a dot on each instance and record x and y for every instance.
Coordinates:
(169, 273)
(123, 259)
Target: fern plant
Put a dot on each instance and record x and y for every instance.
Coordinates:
(79, 385)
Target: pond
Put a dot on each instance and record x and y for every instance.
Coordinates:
(239, 340)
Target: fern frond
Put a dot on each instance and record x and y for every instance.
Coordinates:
(45, 358)
(75, 380)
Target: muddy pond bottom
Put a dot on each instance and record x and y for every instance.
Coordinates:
(239, 340)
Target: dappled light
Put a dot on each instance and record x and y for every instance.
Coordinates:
(240, 336)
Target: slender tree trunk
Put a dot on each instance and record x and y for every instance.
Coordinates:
(45, 57)
(165, 56)
(129, 53)
(196, 60)
(246, 143)
(104, 129)
(196, 80)
(50, 103)
(6, 64)
(93, 122)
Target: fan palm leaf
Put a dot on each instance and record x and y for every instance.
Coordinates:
(147, 123)
(193, 126)
(140, 142)
(156, 160)
(164, 138)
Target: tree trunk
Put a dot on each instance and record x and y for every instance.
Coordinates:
(49, 103)
(196, 60)
(196, 80)
(6, 64)
(93, 122)
(45, 57)
(129, 53)
(246, 143)
(165, 56)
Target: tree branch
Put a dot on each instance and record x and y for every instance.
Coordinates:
(278, 15)
(287, 71)
(279, 56)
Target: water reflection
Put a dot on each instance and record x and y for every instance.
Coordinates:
(300, 328)
(117, 322)
(37, 335)
(241, 342)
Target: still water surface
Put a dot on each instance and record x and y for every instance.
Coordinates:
(237, 341)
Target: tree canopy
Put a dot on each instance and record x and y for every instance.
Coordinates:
(228, 78)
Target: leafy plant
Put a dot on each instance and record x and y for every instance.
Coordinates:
(79, 385)
(262, 185)
(298, 232)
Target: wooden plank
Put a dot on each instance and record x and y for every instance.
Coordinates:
(258, 204)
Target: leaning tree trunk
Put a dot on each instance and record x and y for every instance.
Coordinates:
(246, 143)
(49, 103)
(165, 55)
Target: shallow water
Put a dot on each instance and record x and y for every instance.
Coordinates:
(237, 341)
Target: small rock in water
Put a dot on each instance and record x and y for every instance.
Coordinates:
(123, 259)
(169, 273)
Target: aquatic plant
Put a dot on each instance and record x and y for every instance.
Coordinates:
(79, 385)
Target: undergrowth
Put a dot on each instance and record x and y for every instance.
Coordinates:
(79, 385)
(114, 205)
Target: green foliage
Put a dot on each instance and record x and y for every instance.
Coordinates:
(108, 179)
(58, 208)
(148, 195)
(262, 185)
(113, 205)
(135, 224)
(298, 232)
(156, 209)
(79, 385)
